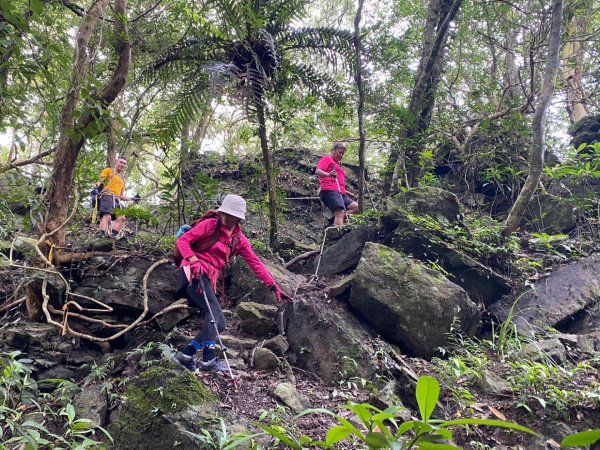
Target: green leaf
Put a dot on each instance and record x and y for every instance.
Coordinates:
(487, 422)
(362, 413)
(428, 392)
(37, 7)
(337, 434)
(314, 411)
(280, 435)
(351, 427)
(376, 439)
(406, 426)
(435, 446)
(581, 439)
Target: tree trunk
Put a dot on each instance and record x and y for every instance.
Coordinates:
(536, 154)
(572, 73)
(71, 138)
(361, 106)
(440, 14)
(264, 145)
(111, 151)
(511, 74)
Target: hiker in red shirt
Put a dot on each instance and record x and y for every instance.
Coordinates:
(333, 186)
(204, 253)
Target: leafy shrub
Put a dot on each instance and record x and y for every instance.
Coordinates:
(26, 412)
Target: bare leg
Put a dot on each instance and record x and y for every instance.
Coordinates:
(105, 222)
(339, 217)
(352, 208)
(118, 224)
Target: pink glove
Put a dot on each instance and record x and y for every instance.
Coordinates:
(282, 297)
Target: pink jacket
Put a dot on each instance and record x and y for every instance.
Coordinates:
(213, 259)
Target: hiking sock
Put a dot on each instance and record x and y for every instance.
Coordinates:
(191, 348)
(208, 350)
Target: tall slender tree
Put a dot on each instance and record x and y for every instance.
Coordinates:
(360, 86)
(537, 150)
(249, 46)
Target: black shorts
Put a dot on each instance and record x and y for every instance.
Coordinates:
(108, 204)
(333, 200)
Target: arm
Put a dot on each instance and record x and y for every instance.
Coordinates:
(325, 168)
(259, 269)
(322, 174)
(202, 230)
(123, 197)
(106, 173)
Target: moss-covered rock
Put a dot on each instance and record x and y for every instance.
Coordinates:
(442, 205)
(257, 319)
(408, 303)
(160, 405)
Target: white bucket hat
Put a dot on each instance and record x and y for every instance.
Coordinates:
(234, 205)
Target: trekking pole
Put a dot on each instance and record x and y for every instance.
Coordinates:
(213, 321)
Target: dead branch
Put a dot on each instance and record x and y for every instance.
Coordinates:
(175, 306)
(23, 162)
(67, 258)
(8, 306)
(300, 258)
(69, 314)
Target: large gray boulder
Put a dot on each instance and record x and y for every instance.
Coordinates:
(257, 319)
(441, 210)
(409, 304)
(483, 284)
(329, 340)
(559, 301)
(51, 354)
(246, 287)
(344, 254)
(550, 214)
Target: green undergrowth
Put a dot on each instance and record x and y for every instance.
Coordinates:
(534, 382)
(40, 414)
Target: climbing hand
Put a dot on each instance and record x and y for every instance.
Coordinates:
(282, 297)
(192, 270)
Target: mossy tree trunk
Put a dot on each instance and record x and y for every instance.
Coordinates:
(73, 133)
(361, 105)
(268, 164)
(440, 14)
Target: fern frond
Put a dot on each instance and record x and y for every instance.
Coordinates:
(318, 84)
(329, 42)
(190, 102)
(172, 63)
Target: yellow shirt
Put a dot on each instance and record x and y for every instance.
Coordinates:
(116, 185)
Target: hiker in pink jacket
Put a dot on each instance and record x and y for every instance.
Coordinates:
(205, 250)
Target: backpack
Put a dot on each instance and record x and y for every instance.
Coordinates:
(212, 240)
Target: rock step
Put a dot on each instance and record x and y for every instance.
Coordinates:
(238, 343)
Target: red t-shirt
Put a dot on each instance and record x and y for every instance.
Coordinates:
(328, 184)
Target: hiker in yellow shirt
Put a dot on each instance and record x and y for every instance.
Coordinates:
(111, 197)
